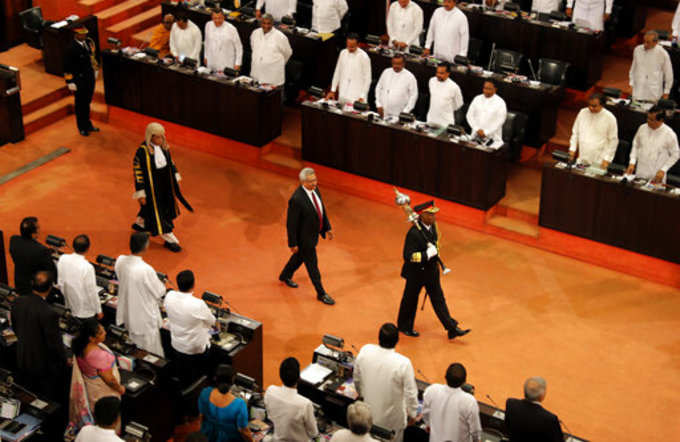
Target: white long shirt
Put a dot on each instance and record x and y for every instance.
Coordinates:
(595, 135)
(78, 283)
(139, 295)
(590, 12)
(345, 435)
(676, 22)
(327, 14)
(223, 48)
(271, 52)
(93, 433)
(186, 42)
(189, 320)
(352, 75)
(445, 99)
(651, 74)
(405, 24)
(488, 114)
(396, 92)
(291, 413)
(545, 6)
(451, 414)
(386, 381)
(449, 32)
(277, 8)
(654, 150)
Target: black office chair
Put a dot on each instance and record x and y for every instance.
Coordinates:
(506, 61)
(552, 71)
(476, 52)
(371, 95)
(460, 118)
(514, 133)
(303, 17)
(185, 403)
(622, 156)
(422, 106)
(32, 24)
(293, 84)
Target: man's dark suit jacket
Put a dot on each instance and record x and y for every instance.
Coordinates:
(303, 220)
(29, 256)
(530, 422)
(40, 349)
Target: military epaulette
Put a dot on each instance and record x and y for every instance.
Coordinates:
(68, 77)
(416, 257)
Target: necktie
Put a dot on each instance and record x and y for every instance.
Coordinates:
(318, 210)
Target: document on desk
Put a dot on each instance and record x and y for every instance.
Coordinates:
(315, 374)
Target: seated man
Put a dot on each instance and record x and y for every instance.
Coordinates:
(527, 421)
(651, 74)
(595, 134)
(327, 15)
(487, 114)
(655, 148)
(160, 37)
(397, 89)
(352, 76)
(445, 97)
(106, 419)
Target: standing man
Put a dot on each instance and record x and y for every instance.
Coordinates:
(276, 8)
(545, 6)
(223, 48)
(306, 221)
(397, 89)
(77, 281)
(386, 381)
(594, 134)
(80, 72)
(271, 51)
(421, 269)
(445, 97)
(651, 74)
(185, 39)
(29, 255)
(655, 148)
(592, 13)
(352, 74)
(527, 420)
(327, 15)
(160, 37)
(487, 114)
(675, 25)
(157, 188)
(404, 24)
(448, 31)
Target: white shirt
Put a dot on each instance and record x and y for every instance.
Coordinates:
(590, 13)
(405, 24)
(451, 414)
(654, 150)
(277, 8)
(327, 14)
(223, 48)
(189, 321)
(386, 381)
(545, 6)
(311, 198)
(93, 433)
(488, 114)
(676, 21)
(445, 99)
(595, 135)
(449, 32)
(186, 42)
(396, 92)
(78, 283)
(345, 435)
(352, 75)
(651, 74)
(271, 52)
(139, 294)
(291, 413)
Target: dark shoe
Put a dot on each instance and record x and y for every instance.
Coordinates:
(84, 133)
(457, 332)
(172, 246)
(138, 228)
(289, 282)
(326, 299)
(94, 129)
(410, 333)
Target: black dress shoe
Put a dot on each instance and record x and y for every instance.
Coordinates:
(458, 332)
(411, 333)
(326, 299)
(94, 129)
(289, 282)
(172, 246)
(138, 228)
(84, 133)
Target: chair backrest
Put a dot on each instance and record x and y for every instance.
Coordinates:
(506, 61)
(509, 127)
(552, 71)
(422, 105)
(32, 19)
(514, 133)
(460, 117)
(622, 156)
(476, 51)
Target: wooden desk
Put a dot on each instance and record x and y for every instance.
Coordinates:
(57, 42)
(11, 115)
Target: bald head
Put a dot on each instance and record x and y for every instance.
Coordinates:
(534, 389)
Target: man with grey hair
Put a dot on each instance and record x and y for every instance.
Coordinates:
(306, 221)
(651, 74)
(527, 420)
(359, 421)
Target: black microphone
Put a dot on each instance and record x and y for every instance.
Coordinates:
(565, 426)
(422, 375)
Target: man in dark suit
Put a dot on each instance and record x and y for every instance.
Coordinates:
(421, 269)
(80, 73)
(41, 359)
(306, 221)
(527, 420)
(29, 255)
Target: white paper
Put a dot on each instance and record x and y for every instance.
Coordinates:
(315, 374)
(59, 24)
(37, 403)
(8, 410)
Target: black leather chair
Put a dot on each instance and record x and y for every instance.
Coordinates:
(460, 117)
(622, 156)
(422, 106)
(506, 61)
(552, 71)
(514, 132)
(185, 403)
(476, 51)
(33, 23)
(293, 84)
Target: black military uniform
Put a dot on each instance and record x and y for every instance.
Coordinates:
(421, 271)
(79, 70)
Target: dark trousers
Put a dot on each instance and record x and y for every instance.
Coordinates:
(306, 255)
(409, 302)
(83, 96)
(190, 367)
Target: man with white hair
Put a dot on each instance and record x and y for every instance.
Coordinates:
(306, 221)
(651, 74)
(527, 420)
(359, 421)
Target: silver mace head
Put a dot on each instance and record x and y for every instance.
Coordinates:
(401, 199)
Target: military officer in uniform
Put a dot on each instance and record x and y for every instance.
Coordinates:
(80, 73)
(421, 269)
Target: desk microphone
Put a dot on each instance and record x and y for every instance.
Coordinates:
(422, 375)
(492, 401)
(533, 72)
(565, 426)
(354, 348)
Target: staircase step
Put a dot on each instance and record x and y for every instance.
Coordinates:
(142, 38)
(126, 28)
(515, 225)
(47, 115)
(123, 11)
(45, 100)
(94, 6)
